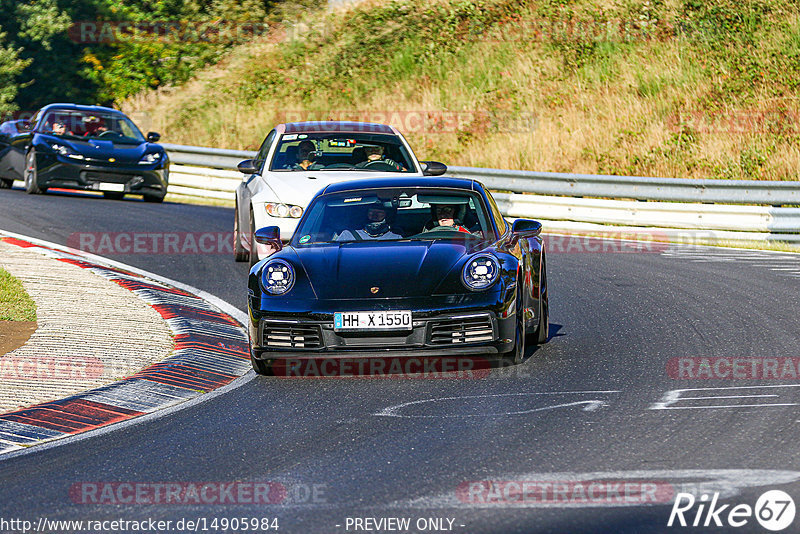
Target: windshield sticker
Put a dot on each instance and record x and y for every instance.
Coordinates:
(357, 199)
(305, 239)
(290, 137)
(302, 136)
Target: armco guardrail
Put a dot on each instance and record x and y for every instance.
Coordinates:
(723, 209)
(634, 187)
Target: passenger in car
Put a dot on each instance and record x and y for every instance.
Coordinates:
(444, 217)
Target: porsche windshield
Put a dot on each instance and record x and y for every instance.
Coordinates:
(341, 151)
(91, 125)
(394, 214)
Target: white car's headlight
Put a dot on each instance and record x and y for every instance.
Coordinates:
(277, 277)
(148, 159)
(63, 150)
(276, 209)
(480, 272)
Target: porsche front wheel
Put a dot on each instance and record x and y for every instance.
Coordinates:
(542, 331)
(517, 354)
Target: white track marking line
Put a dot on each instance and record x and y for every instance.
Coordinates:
(671, 397)
(591, 405)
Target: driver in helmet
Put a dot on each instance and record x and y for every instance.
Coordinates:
(375, 227)
(374, 155)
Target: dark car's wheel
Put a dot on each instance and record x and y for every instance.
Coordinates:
(113, 195)
(31, 175)
(158, 199)
(261, 367)
(517, 354)
(253, 249)
(239, 252)
(540, 335)
(6, 183)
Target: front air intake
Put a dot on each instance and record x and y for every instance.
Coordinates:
(462, 330)
(280, 335)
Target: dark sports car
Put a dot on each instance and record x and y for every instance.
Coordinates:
(392, 266)
(83, 147)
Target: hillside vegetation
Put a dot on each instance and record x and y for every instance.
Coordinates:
(683, 88)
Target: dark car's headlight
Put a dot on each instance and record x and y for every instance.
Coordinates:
(480, 272)
(64, 150)
(277, 277)
(151, 158)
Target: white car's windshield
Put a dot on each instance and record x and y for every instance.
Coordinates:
(394, 214)
(341, 151)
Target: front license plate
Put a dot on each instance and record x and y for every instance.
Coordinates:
(119, 188)
(374, 320)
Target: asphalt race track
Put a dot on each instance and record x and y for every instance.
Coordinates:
(593, 404)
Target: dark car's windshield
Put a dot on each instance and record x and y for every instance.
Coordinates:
(341, 151)
(91, 125)
(394, 214)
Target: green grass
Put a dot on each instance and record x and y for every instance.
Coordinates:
(15, 304)
(653, 88)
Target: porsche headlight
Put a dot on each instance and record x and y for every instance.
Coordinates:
(277, 277)
(276, 209)
(480, 272)
(63, 150)
(149, 159)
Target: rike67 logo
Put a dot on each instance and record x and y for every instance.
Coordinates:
(774, 510)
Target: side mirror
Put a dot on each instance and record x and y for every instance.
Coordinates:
(269, 235)
(247, 166)
(526, 228)
(433, 168)
(24, 126)
(153, 137)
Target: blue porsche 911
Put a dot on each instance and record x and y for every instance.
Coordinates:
(399, 266)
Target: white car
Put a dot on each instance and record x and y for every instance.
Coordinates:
(298, 159)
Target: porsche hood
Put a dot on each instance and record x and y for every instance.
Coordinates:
(397, 269)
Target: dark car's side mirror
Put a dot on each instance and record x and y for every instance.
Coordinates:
(153, 137)
(247, 166)
(433, 168)
(526, 228)
(269, 235)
